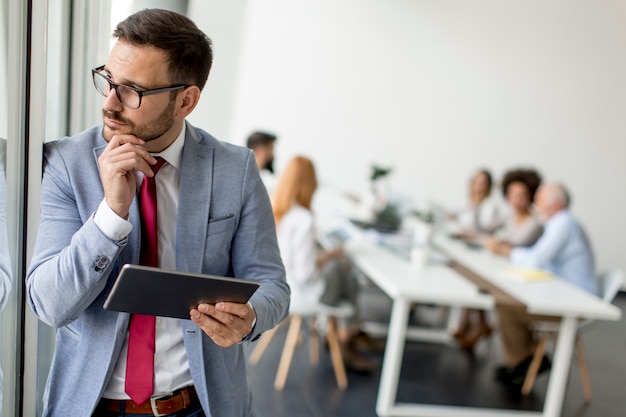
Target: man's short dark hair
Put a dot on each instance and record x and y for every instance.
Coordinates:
(189, 51)
(258, 139)
(529, 177)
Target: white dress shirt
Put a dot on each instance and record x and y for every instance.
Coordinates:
(296, 240)
(269, 180)
(171, 367)
(484, 217)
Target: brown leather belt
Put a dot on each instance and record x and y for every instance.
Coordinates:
(157, 406)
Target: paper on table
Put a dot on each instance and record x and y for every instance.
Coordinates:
(528, 274)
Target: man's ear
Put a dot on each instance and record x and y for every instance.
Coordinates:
(187, 101)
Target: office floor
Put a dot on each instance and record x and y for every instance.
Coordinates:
(438, 374)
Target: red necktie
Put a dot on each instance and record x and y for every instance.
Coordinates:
(140, 359)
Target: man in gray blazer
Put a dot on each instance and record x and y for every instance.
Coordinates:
(214, 217)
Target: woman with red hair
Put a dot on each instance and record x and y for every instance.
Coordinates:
(315, 275)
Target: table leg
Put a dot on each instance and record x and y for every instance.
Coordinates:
(560, 367)
(392, 361)
(454, 318)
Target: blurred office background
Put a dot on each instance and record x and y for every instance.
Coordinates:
(433, 89)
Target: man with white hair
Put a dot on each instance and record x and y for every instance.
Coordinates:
(564, 250)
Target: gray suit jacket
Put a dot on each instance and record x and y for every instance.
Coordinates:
(225, 226)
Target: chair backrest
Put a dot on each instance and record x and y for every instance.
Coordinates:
(611, 282)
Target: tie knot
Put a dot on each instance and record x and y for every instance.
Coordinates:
(158, 165)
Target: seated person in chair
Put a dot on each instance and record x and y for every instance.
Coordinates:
(520, 228)
(481, 213)
(315, 276)
(564, 250)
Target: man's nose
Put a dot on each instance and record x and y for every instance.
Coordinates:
(112, 102)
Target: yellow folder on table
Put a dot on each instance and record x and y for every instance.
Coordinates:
(530, 274)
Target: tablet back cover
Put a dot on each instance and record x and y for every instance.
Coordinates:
(158, 292)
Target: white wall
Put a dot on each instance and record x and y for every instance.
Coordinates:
(434, 89)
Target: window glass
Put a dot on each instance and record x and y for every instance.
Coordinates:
(8, 310)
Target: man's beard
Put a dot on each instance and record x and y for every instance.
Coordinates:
(269, 165)
(149, 131)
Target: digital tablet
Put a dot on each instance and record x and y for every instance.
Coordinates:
(159, 292)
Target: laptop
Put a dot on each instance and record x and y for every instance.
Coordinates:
(388, 220)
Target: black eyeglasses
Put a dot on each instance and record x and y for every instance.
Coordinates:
(129, 96)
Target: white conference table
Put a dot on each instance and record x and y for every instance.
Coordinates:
(440, 284)
(436, 284)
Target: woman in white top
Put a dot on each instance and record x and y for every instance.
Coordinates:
(481, 213)
(314, 275)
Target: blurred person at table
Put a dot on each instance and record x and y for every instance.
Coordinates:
(480, 216)
(262, 144)
(564, 250)
(313, 274)
(520, 228)
(481, 213)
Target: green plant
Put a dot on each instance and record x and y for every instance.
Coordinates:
(425, 216)
(378, 172)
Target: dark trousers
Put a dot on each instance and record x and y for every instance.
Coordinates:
(341, 284)
(518, 341)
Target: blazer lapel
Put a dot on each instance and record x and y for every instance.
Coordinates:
(194, 202)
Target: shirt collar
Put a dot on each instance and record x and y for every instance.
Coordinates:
(556, 216)
(173, 154)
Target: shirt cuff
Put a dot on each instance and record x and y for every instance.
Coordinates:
(247, 337)
(113, 226)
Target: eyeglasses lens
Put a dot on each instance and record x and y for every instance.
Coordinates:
(128, 97)
(101, 83)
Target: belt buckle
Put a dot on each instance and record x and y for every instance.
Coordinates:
(153, 404)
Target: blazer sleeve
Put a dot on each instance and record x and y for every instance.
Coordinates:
(255, 253)
(72, 258)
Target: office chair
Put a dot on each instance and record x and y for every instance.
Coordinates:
(611, 282)
(299, 310)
